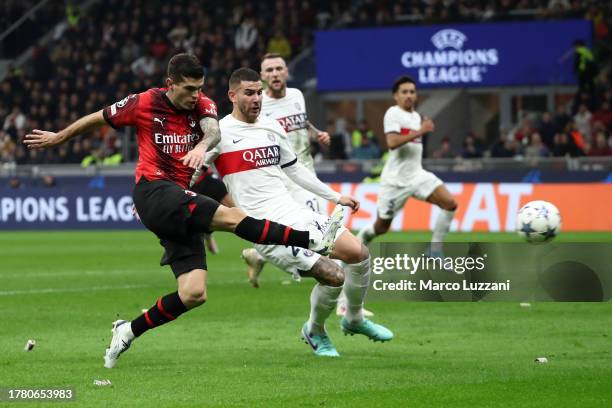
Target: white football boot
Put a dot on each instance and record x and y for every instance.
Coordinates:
(121, 341)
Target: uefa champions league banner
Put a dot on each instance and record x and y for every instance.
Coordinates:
(482, 206)
(66, 208)
(458, 55)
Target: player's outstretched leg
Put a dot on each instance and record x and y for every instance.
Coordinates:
(264, 231)
(357, 279)
(255, 263)
(191, 294)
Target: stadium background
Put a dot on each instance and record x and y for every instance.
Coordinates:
(497, 144)
(534, 118)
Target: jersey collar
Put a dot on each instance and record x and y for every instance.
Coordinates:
(170, 104)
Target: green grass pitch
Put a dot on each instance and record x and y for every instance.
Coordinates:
(242, 347)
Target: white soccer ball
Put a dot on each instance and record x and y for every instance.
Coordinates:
(538, 221)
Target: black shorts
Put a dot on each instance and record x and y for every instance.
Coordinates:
(210, 186)
(169, 211)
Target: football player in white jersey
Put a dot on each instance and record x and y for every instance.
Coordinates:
(403, 175)
(251, 157)
(288, 107)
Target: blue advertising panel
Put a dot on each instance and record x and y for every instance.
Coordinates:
(75, 203)
(459, 55)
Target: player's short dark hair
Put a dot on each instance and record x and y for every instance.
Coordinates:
(243, 74)
(183, 66)
(402, 80)
(271, 55)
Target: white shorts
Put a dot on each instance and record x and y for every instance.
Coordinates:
(294, 259)
(392, 198)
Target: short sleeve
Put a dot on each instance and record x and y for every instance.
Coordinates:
(302, 101)
(391, 122)
(206, 107)
(123, 112)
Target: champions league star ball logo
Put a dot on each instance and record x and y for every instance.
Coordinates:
(448, 39)
(271, 137)
(449, 62)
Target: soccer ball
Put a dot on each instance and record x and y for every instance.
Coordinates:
(538, 222)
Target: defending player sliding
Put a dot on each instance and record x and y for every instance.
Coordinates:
(403, 175)
(252, 157)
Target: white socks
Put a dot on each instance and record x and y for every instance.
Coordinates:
(443, 223)
(322, 302)
(356, 284)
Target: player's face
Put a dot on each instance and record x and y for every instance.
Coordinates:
(406, 96)
(247, 98)
(275, 73)
(184, 94)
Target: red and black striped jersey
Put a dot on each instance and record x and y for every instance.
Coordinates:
(165, 134)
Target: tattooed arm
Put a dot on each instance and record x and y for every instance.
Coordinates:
(212, 136)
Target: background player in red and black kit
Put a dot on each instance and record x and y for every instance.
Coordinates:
(175, 127)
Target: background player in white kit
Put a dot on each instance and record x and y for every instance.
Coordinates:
(288, 107)
(251, 157)
(403, 175)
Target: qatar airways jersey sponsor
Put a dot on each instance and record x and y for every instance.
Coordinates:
(290, 112)
(165, 133)
(250, 158)
(404, 161)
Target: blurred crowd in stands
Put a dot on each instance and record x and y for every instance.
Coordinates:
(121, 46)
(386, 12)
(550, 134)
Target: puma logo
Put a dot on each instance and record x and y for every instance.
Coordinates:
(161, 121)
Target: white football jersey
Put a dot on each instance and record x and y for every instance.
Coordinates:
(404, 161)
(290, 112)
(249, 158)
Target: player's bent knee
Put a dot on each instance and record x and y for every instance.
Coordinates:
(228, 218)
(336, 281)
(335, 278)
(451, 205)
(192, 293)
(193, 297)
(356, 253)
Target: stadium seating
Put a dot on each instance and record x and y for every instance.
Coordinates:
(124, 45)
